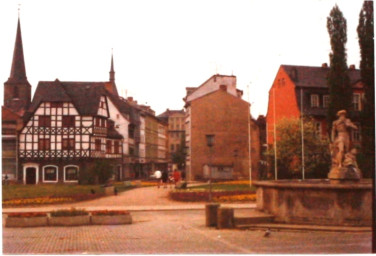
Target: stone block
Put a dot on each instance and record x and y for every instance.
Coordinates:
(211, 214)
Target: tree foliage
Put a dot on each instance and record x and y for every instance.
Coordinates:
(178, 157)
(289, 150)
(340, 93)
(367, 69)
(100, 172)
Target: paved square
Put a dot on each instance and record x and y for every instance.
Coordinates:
(175, 232)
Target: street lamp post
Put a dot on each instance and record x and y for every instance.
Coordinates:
(210, 144)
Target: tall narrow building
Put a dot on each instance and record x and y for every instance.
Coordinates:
(17, 90)
(17, 97)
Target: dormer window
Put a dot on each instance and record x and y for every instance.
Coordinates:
(314, 100)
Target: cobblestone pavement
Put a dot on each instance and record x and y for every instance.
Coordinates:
(165, 232)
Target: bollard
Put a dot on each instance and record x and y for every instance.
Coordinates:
(211, 214)
(225, 218)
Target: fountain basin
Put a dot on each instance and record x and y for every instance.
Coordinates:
(316, 202)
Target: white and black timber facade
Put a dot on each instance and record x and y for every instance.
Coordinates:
(67, 128)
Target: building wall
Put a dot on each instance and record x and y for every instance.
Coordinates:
(227, 117)
(282, 100)
(151, 142)
(213, 84)
(176, 127)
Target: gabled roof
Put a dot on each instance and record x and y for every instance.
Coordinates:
(305, 76)
(169, 112)
(85, 96)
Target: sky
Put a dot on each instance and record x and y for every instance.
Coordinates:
(160, 47)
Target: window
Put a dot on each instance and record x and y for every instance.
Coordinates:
(68, 144)
(357, 101)
(172, 147)
(109, 146)
(56, 104)
(131, 130)
(98, 145)
(103, 122)
(15, 92)
(70, 173)
(116, 146)
(314, 100)
(131, 151)
(50, 173)
(325, 101)
(44, 121)
(97, 122)
(68, 121)
(356, 134)
(44, 144)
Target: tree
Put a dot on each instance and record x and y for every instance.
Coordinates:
(178, 157)
(367, 71)
(100, 172)
(340, 93)
(289, 150)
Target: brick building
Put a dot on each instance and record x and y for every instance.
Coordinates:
(302, 90)
(216, 107)
(176, 129)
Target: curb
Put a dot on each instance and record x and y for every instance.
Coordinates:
(296, 227)
(130, 209)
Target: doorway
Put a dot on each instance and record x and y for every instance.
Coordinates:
(31, 175)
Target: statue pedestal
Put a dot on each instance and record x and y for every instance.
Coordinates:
(344, 174)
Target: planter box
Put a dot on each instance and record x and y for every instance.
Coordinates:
(111, 219)
(25, 222)
(109, 190)
(69, 220)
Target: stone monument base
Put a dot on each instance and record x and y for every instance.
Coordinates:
(344, 174)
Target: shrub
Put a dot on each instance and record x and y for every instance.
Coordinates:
(109, 212)
(71, 212)
(26, 214)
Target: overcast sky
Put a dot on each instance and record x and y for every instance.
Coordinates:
(161, 47)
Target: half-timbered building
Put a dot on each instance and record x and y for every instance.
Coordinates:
(68, 127)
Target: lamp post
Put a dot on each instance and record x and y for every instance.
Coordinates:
(210, 144)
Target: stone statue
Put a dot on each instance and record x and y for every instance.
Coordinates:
(343, 159)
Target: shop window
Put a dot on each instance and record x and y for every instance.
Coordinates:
(70, 173)
(50, 173)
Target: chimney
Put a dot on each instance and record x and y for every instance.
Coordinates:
(130, 99)
(352, 67)
(223, 87)
(324, 65)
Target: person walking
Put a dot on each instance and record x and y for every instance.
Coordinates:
(164, 178)
(158, 175)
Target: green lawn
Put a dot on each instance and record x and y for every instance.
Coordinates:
(45, 190)
(20, 191)
(224, 187)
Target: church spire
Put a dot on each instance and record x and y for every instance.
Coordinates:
(17, 90)
(111, 86)
(112, 72)
(18, 71)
